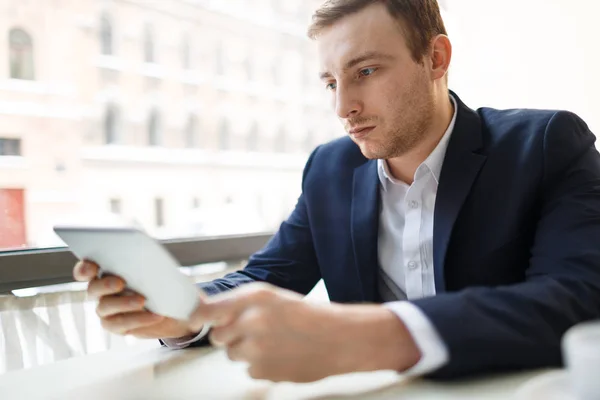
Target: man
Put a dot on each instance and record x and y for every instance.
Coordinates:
(479, 231)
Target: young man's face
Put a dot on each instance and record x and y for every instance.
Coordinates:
(375, 83)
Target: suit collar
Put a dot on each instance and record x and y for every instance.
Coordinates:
(459, 171)
(461, 167)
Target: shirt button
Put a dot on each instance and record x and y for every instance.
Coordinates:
(413, 204)
(412, 265)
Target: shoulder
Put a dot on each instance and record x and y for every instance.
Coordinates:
(546, 128)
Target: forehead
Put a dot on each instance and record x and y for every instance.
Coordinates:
(372, 29)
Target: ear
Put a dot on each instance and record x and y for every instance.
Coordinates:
(441, 54)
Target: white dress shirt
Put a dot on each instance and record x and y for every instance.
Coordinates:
(405, 247)
(405, 250)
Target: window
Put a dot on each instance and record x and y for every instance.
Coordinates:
(220, 59)
(10, 147)
(111, 123)
(106, 35)
(248, 65)
(186, 52)
(21, 54)
(224, 135)
(190, 113)
(276, 73)
(154, 129)
(115, 206)
(309, 141)
(191, 129)
(159, 216)
(281, 141)
(252, 139)
(149, 45)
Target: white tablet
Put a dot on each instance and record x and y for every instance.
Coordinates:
(147, 267)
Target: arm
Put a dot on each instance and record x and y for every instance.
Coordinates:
(288, 261)
(521, 325)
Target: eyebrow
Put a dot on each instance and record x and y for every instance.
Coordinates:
(371, 55)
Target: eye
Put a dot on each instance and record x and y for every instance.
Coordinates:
(367, 71)
(331, 86)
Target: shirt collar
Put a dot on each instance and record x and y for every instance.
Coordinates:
(433, 162)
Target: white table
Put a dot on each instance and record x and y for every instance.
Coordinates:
(150, 372)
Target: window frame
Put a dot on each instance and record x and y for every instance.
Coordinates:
(21, 56)
(40, 267)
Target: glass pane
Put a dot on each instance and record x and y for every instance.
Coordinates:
(106, 36)
(10, 147)
(21, 55)
(149, 44)
(181, 131)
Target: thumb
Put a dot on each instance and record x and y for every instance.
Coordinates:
(196, 320)
(218, 310)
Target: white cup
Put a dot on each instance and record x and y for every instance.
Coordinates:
(581, 352)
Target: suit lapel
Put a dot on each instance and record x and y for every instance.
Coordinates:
(459, 171)
(365, 227)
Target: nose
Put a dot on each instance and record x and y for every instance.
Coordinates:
(346, 103)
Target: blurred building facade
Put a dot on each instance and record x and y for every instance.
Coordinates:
(192, 117)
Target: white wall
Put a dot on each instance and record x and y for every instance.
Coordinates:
(527, 53)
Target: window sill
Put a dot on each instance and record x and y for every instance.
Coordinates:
(37, 87)
(16, 162)
(195, 157)
(110, 62)
(153, 70)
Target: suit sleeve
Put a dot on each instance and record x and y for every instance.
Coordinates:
(521, 325)
(288, 261)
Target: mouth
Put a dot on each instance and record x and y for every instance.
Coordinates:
(361, 132)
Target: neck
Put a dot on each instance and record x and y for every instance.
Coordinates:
(404, 167)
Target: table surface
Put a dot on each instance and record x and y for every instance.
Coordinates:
(150, 372)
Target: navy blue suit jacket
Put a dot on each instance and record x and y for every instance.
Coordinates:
(516, 236)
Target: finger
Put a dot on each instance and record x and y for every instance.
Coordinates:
(106, 286)
(85, 271)
(124, 323)
(115, 304)
(223, 308)
(225, 335)
(217, 313)
(238, 351)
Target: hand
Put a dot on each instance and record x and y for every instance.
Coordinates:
(123, 312)
(284, 338)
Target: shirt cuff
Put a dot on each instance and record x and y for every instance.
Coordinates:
(179, 343)
(434, 353)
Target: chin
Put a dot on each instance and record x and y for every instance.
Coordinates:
(370, 151)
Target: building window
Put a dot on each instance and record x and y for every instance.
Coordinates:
(149, 45)
(186, 56)
(159, 212)
(309, 144)
(252, 139)
(248, 65)
(116, 206)
(111, 125)
(191, 131)
(276, 73)
(154, 129)
(106, 35)
(10, 147)
(220, 59)
(224, 135)
(281, 141)
(21, 54)
(195, 203)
